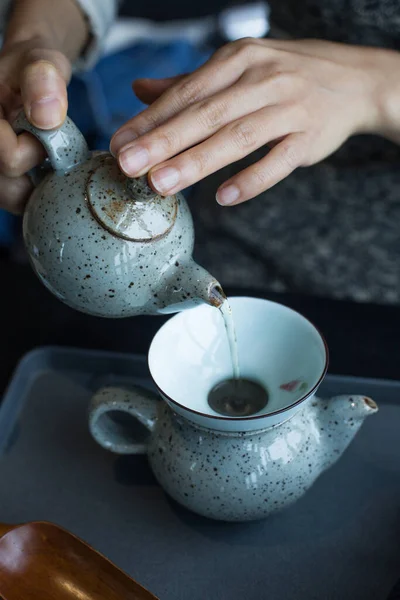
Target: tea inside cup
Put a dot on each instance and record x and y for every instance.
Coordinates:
(278, 349)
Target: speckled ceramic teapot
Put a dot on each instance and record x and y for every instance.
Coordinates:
(232, 468)
(105, 244)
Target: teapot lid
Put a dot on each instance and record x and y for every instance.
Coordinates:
(128, 208)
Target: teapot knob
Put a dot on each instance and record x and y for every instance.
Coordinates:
(128, 208)
(139, 189)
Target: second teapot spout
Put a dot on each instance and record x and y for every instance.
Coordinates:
(339, 420)
(184, 285)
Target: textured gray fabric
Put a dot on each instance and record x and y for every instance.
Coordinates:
(325, 230)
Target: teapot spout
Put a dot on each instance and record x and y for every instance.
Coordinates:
(348, 409)
(340, 418)
(184, 285)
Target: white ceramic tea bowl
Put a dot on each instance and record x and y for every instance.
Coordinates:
(277, 347)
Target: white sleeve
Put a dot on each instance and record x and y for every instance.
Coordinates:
(100, 15)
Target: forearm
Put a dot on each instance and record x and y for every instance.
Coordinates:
(388, 96)
(376, 81)
(60, 24)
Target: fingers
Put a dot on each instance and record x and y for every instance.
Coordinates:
(175, 99)
(220, 72)
(18, 154)
(36, 79)
(195, 124)
(14, 193)
(42, 85)
(233, 142)
(282, 160)
(148, 90)
(44, 94)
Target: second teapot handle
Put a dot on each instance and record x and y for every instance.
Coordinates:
(106, 427)
(65, 146)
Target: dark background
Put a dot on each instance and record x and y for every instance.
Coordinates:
(178, 9)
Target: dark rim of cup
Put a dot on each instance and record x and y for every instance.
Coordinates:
(265, 415)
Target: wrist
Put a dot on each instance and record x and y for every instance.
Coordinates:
(385, 95)
(60, 25)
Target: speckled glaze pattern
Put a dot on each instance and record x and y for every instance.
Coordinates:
(96, 264)
(232, 476)
(110, 196)
(65, 146)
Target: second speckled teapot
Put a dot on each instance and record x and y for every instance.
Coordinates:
(221, 466)
(105, 244)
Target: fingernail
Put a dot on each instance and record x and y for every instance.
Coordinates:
(133, 160)
(121, 139)
(46, 113)
(165, 179)
(228, 194)
(43, 95)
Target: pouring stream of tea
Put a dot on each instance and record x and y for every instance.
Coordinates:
(236, 396)
(226, 312)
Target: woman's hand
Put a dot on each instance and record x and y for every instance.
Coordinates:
(42, 38)
(301, 98)
(33, 77)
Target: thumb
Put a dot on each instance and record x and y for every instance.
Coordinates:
(148, 90)
(44, 94)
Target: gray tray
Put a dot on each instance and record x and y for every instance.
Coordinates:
(341, 541)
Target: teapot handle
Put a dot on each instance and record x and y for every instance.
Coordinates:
(65, 146)
(108, 423)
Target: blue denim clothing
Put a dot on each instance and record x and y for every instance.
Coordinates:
(101, 100)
